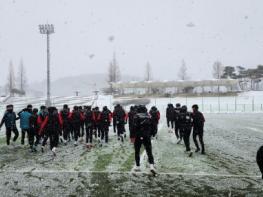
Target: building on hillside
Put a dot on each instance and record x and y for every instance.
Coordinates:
(176, 87)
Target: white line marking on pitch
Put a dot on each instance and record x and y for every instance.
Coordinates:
(128, 172)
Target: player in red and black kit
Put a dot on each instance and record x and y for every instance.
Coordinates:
(96, 116)
(40, 119)
(76, 118)
(52, 125)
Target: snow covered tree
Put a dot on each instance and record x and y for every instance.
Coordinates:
(11, 79)
(21, 79)
(182, 75)
(148, 72)
(218, 70)
(113, 72)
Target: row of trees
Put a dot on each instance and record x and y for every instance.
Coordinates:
(249, 78)
(16, 84)
(114, 74)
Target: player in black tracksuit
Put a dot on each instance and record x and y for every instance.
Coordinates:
(105, 121)
(9, 119)
(89, 125)
(131, 115)
(120, 119)
(155, 117)
(33, 136)
(65, 115)
(185, 124)
(260, 159)
(142, 134)
(178, 132)
(170, 117)
(76, 117)
(81, 123)
(198, 128)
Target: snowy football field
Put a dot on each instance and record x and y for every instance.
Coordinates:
(228, 169)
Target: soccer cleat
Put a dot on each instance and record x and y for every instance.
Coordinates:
(197, 150)
(152, 169)
(54, 151)
(179, 141)
(81, 139)
(189, 152)
(137, 169)
(75, 143)
(42, 148)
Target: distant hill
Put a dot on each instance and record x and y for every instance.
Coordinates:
(67, 86)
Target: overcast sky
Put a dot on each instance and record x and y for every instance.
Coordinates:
(162, 32)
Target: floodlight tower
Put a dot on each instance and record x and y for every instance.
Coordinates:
(47, 29)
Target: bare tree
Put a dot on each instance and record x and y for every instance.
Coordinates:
(148, 72)
(182, 75)
(218, 70)
(11, 79)
(113, 72)
(22, 76)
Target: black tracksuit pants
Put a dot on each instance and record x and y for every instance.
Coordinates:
(186, 131)
(178, 132)
(200, 133)
(66, 132)
(259, 159)
(89, 133)
(82, 129)
(76, 131)
(131, 128)
(9, 133)
(31, 136)
(24, 132)
(148, 147)
(54, 139)
(97, 130)
(105, 132)
(120, 129)
(155, 128)
(170, 123)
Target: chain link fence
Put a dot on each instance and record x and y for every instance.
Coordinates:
(234, 104)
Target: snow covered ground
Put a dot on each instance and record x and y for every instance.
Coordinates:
(228, 169)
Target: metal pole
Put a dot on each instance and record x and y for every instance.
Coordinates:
(253, 104)
(202, 103)
(235, 103)
(48, 103)
(219, 102)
